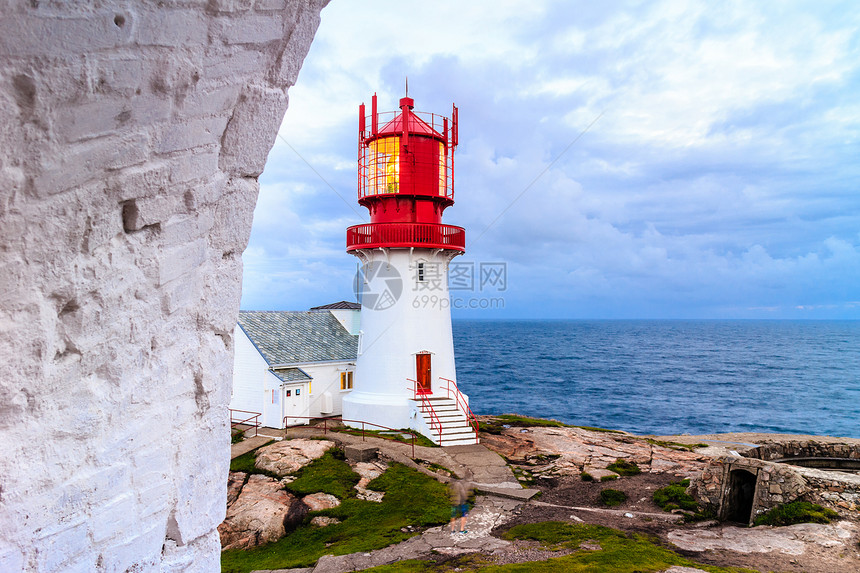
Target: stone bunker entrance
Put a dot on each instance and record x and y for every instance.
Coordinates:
(743, 485)
(740, 494)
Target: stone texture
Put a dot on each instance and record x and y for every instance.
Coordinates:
(369, 471)
(790, 540)
(126, 197)
(262, 513)
(235, 481)
(360, 452)
(324, 521)
(289, 456)
(570, 451)
(320, 501)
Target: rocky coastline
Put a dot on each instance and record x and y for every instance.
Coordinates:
(570, 466)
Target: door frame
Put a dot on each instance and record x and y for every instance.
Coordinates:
(423, 373)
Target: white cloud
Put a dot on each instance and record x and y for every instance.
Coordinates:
(720, 179)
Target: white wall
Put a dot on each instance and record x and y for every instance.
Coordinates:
(349, 319)
(326, 378)
(131, 138)
(249, 374)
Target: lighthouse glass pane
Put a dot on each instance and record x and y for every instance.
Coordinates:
(443, 161)
(383, 168)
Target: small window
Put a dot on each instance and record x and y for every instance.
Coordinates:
(346, 380)
(298, 391)
(289, 393)
(420, 274)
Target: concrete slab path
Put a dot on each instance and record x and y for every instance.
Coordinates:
(247, 445)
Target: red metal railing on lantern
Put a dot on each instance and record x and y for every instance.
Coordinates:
(405, 235)
(370, 171)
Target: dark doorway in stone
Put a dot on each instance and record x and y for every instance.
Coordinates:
(739, 498)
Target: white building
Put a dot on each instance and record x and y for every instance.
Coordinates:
(294, 365)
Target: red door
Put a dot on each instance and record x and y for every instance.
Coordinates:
(422, 371)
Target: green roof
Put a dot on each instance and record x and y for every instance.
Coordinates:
(289, 337)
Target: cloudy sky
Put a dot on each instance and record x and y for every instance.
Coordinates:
(621, 159)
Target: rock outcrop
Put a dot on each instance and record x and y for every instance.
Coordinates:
(570, 451)
(288, 456)
(262, 513)
(320, 501)
(131, 138)
(234, 486)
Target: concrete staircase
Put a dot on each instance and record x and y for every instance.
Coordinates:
(455, 426)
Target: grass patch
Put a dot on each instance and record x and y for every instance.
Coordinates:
(436, 468)
(236, 436)
(608, 478)
(411, 499)
(501, 422)
(675, 445)
(440, 564)
(394, 435)
(675, 496)
(328, 474)
(245, 462)
(624, 468)
(796, 512)
(504, 421)
(524, 476)
(585, 476)
(612, 497)
(619, 553)
(594, 429)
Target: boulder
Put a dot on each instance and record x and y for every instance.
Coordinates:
(235, 481)
(320, 501)
(360, 452)
(288, 456)
(323, 521)
(262, 513)
(599, 473)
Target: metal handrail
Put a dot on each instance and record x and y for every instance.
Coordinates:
(467, 410)
(426, 403)
(362, 422)
(426, 235)
(255, 417)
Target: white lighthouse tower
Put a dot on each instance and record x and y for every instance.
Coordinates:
(405, 375)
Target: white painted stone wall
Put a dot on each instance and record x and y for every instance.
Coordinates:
(131, 137)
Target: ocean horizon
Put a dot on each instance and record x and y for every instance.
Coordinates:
(666, 376)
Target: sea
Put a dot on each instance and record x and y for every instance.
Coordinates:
(667, 376)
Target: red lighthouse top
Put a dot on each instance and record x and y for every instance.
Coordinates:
(406, 179)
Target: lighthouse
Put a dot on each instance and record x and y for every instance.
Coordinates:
(404, 374)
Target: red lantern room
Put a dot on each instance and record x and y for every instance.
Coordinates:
(406, 179)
